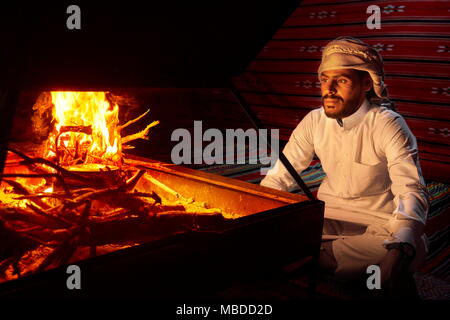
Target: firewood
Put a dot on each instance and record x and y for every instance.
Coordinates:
(129, 185)
(43, 175)
(28, 216)
(31, 161)
(139, 135)
(92, 215)
(164, 187)
(62, 221)
(12, 242)
(119, 128)
(62, 253)
(18, 188)
(152, 195)
(34, 197)
(165, 207)
(115, 214)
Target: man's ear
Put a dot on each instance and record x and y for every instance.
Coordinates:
(367, 82)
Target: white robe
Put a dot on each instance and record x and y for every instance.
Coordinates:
(373, 175)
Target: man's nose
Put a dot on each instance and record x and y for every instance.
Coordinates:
(330, 87)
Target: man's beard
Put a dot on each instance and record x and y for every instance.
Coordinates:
(348, 107)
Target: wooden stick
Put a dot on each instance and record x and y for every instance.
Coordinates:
(42, 175)
(113, 215)
(18, 188)
(28, 236)
(4, 265)
(129, 185)
(55, 254)
(29, 160)
(22, 215)
(119, 128)
(140, 134)
(152, 195)
(26, 230)
(58, 219)
(34, 197)
(53, 243)
(85, 214)
(163, 186)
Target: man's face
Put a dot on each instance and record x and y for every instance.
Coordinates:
(343, 91)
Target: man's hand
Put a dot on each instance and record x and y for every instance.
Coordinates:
(392, 267)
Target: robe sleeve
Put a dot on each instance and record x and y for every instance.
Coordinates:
(408, 186)
(299, 150)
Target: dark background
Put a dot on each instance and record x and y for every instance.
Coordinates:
(131, 43)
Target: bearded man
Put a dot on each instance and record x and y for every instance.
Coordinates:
(376, 202)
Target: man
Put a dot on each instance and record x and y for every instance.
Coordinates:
(375, 198)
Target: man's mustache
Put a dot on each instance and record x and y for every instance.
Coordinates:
(331, 96)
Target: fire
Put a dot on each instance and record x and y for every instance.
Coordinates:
(77, 132)
(48, 190)
(10, 186)
(85, 129)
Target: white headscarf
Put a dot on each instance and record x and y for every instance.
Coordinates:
(351, 53)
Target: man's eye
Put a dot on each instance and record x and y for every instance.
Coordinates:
(342, 81)
(323, 80)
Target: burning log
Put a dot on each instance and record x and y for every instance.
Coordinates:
(141, 134)
(34, 161)
(19, 189)
(109, 192)
(58, 219)
(66, 249)
(163, 186)
(46, 175)
(121, 127)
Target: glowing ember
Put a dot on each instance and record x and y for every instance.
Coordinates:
(85, 130)
(49, 190)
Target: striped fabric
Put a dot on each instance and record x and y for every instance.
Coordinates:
(281, 84)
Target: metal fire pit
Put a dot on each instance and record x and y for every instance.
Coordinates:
(274, 229)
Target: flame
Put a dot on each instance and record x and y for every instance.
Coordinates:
(81, 132)
(48, 190)
(86, 129)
